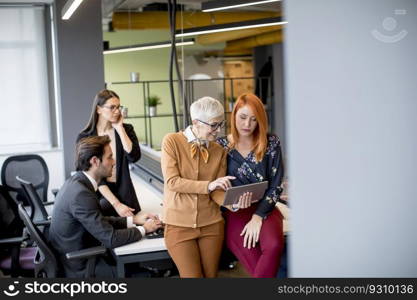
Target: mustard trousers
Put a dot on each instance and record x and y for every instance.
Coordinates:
(195, 251)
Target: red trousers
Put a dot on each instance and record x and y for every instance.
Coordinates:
(262, 261)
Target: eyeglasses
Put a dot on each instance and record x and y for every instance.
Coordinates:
(214, 126)
(113, 108)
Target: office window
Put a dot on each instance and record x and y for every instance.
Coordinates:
(25, 124)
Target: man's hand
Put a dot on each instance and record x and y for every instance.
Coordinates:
(155, 218)
(141, 218)
(151, 225)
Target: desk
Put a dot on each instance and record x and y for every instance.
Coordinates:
(141, 251)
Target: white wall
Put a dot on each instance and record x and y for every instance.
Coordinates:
(211, 67)
(351, 133)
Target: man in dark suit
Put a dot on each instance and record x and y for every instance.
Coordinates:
(77, 222)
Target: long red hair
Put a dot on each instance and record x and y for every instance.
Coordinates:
(260, 132)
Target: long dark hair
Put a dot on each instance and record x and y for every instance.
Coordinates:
(99, 100)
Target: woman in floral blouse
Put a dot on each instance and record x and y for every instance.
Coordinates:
(254, 232)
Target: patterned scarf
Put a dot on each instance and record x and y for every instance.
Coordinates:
(202, 146)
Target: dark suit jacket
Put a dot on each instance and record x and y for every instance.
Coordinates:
(124, 189)
(77, 223)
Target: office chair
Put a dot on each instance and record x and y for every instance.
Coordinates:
(15, 260)
(46, 260)
(38, 213)
(30, 167)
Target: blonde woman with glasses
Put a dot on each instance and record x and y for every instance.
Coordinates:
(194, 169)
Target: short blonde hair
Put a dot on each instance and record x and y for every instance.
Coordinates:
(205, 109)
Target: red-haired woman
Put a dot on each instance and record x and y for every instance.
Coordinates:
(254, 232)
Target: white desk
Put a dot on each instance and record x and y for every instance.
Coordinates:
(137, 252)
(142, 246)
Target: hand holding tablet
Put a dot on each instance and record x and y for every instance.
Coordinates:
(245, 201)
(234, 193)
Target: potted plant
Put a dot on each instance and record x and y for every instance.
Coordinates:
(152, 102)
(231, 101)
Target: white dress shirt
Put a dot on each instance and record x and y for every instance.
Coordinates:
(189, 134)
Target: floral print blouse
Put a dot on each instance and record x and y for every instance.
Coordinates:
(247, 170)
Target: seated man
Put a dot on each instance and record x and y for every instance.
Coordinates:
(77, 222)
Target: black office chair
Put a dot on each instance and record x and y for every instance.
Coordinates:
(38, 213)
(30, 167)
(46, 260)
(15, 258)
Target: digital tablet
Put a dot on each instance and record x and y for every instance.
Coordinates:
(258, 190)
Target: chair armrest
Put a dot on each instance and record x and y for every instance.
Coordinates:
(13, 241)
(48, 203)
(85, 253)
(43, 222)
(54, 192)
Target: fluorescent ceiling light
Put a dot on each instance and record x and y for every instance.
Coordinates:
(148, 46)
(69, 8)
(228, 4)
(231, 26)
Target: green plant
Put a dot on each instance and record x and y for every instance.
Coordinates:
(231, 99)
(153, 100)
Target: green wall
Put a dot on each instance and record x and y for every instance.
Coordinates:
(152, 65)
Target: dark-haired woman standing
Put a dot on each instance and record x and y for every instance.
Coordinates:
(119, 196)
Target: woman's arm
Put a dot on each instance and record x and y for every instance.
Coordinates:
(121, 209)
(129, 140)
(170, 171)
(276, 173)
(218, 194)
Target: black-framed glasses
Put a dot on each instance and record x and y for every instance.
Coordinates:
(113, 108)
(214, 126)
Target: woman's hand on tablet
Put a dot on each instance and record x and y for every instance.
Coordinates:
(221, 183)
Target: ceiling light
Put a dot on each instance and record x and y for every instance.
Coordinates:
(231, 26)
(228, 4)
(158, 45)
(69, 8)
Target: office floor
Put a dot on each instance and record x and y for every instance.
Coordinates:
(237, 272)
